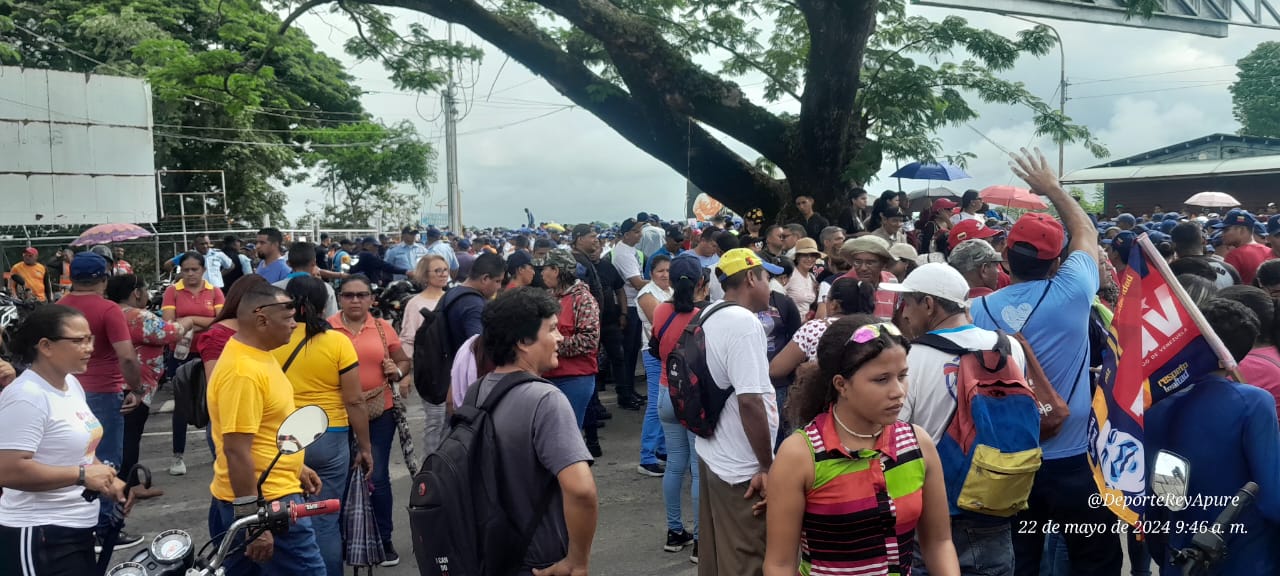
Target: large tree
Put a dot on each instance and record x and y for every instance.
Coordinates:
(233, 90)
(1256, 94)
(871, 82)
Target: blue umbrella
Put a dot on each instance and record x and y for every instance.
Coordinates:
(922, 171)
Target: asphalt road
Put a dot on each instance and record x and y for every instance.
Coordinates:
(629, 536)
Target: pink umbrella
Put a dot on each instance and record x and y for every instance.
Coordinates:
(108, 233)
(1012, 197)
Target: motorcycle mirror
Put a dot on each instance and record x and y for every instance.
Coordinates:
(1169, 480)
(301, 429)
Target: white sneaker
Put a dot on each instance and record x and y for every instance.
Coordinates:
(178, 468)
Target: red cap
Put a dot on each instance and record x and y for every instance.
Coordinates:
(32, 251)
(969, 230)
(943, 204)
(1042, 232)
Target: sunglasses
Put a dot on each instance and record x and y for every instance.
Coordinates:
(872, 331)
(288, 305)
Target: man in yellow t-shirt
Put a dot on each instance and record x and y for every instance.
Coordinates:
(249, 397)
(33, 275)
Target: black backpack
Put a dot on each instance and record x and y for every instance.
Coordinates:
(694, 395)
(457, 512)
(189, 393)
(434, 349)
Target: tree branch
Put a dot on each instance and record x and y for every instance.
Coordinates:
(651, 123)
(658, 74)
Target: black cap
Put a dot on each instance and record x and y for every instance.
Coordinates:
(628, 225)
(518, 260)
(408, 230)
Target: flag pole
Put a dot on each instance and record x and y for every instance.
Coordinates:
(1153, 257)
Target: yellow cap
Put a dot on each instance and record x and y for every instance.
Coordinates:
(739, 259)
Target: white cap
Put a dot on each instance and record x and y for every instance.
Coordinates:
(936, 279)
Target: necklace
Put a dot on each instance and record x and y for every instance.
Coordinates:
(876, 434)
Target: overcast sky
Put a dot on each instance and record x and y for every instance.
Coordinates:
(521, 144)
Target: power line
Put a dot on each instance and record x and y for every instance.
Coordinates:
(516, 123)
(1090, 96)
(275, 144)
(1165, 73)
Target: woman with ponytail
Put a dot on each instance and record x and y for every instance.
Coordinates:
(669, 320)
(322, 366)
(882, 494)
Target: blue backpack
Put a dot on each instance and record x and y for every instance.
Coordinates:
(990, 451)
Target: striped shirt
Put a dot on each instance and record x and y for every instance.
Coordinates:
(861, 513)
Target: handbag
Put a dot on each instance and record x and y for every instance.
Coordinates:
(374, 400)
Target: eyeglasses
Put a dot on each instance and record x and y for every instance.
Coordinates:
(85, 341)
(355, 295)
(865, 263)
(288, 305)
(872, 331)
(441, 272)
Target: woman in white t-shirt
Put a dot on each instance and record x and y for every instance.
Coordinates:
(848, 296)
(46, 452)
(657, 291)
(432, 272)
(802, 288)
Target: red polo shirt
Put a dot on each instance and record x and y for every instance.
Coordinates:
(185, 302)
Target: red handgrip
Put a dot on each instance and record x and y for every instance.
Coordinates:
(305, 509)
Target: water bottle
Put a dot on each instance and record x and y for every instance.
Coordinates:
(183, 348)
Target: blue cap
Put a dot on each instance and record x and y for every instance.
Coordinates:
(1122, 243)
(1167, 225)
(464, 244)
(1237, 217)
(433, 232)
(1260, 229)
(1126, 218)
(370, 240)
(1173, 216)
(88, 266)
(686, 265)
(1273, 225)
(1216, 239)
(1158, 237)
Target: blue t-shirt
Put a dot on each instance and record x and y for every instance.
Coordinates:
(707, 261)
(1228, 433)
(275, 271)
(1058, 332)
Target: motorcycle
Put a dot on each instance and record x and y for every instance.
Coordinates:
(1207, 548)
(390, 302)
(173, 553)
(13, 309)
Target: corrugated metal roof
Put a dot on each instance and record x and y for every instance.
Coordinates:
(1176, 170)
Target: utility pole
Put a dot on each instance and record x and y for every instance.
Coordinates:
(1062, 80)
(451, 149)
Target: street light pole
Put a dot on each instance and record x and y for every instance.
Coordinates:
(1062, 79)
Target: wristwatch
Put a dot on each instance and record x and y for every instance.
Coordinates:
(80, 480)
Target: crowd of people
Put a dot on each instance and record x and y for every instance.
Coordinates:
(834, 359)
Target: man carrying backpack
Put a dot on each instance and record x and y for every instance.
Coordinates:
(514, 466)
(933, 308)
(735, 459)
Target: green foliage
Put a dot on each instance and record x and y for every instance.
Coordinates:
(230, 91)
(361, 179)
(1256, 94)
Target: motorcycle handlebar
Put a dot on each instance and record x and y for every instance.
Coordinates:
(1242, 500)
(305, 509)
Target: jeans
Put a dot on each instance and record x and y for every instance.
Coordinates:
(179, 433)
(436, 424)
(1061, 493)
(784, 429)
(983, 546)
(1055, 561)
(652, 438)
(630, 350)
(611, 342)
(294, 551)
(681, 457)
(134, 424)
(578, 390)
(1139, 556)
(382, 433)
(330, 457)
(106, 408)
